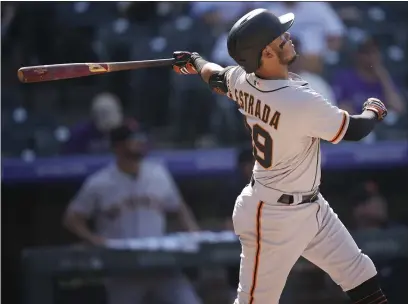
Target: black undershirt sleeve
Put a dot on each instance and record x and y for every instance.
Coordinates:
(360, 126)
(218, 81)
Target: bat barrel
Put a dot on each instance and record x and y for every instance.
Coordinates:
(60, 71)
(75, 70)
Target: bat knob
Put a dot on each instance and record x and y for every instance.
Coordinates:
(20, 75)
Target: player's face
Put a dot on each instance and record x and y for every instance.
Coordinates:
(133, 149)
(285, 49)
(372, 213)
(367, 57)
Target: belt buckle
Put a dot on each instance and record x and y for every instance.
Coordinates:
(314, 196)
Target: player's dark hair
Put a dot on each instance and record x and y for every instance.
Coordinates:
(130, 128)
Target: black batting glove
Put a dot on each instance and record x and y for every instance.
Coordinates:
(376, 105)
(184, 63)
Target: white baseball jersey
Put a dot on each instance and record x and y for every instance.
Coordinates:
(287, 119)
(125, 206)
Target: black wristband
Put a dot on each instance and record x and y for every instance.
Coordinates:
(198, 62)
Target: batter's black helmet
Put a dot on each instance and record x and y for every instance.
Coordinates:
(252, 33)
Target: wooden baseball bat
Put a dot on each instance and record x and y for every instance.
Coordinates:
(52, 72)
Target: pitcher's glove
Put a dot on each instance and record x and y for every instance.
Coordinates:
(376, 105)
(183, 62)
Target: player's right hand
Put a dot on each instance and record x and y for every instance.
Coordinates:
(377, 106)
(183, 63)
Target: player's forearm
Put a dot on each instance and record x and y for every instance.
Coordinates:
(77, 225)
(205, 68)
(360, 126)
(187, 218)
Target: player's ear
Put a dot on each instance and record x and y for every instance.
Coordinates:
(268, 52)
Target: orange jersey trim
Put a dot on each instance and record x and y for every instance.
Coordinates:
(258, 251)
(343, 124)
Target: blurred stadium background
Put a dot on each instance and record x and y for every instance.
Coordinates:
(52, 137)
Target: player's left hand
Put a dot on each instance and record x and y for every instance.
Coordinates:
(183, 64)
(376, 105)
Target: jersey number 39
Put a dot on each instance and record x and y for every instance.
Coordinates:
(262, 145)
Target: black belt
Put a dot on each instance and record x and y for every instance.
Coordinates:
(289, 199)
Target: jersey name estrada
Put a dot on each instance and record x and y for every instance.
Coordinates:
(287, 119)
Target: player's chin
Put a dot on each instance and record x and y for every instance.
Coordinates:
(292, 59)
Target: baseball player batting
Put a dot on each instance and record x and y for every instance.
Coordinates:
(281, 215)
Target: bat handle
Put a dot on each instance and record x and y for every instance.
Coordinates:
(130, 65)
